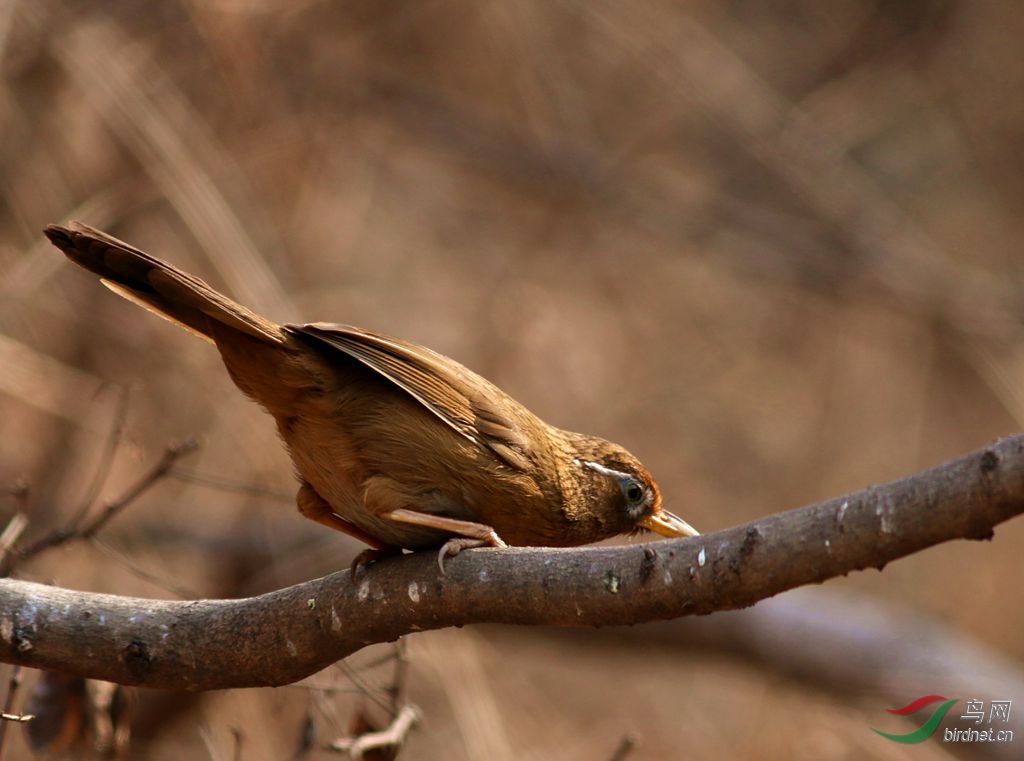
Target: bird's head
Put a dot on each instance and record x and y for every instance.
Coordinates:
(618, 485)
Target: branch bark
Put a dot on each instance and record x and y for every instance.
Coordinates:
(285, 635)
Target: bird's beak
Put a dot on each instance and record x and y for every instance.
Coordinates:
(666, 524)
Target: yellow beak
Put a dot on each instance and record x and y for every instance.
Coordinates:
(666, 524)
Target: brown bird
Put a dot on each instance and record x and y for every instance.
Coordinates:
(393, 443)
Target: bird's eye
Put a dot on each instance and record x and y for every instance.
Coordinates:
(633, 492)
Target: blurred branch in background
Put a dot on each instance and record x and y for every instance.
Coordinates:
(80, 528)
(883, 649)
(156, 123)
(43, 382)
(848, 646)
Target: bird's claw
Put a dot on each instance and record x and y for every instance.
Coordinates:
(370, 556)
(457, 544)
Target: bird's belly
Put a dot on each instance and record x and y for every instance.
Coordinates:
(340, 463)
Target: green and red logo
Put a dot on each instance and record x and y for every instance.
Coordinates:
(924, 731)
(974, 713)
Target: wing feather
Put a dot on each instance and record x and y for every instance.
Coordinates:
(468, 403)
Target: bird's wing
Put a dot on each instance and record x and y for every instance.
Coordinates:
(473, 406)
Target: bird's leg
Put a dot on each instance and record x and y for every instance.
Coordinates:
(316, 508)
(470, 534)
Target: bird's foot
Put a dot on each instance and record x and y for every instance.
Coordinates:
(457, 544)
(370, 556)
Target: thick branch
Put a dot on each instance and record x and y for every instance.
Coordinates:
(285, 635)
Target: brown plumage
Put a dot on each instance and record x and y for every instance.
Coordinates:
(393, 443)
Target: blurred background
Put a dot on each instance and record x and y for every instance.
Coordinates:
(772, 248)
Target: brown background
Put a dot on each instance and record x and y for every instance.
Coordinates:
(772, 248)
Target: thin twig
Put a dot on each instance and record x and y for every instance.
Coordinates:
(327, 689)
(362, 684)
(11, 534)
(171, 455)
(8, 714)
(391, 737)
(157, 580)
(114, 438)
(397, 688)
(229, 486)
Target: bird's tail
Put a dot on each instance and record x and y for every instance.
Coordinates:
(158, 286)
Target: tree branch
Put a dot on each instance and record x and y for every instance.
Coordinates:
(174, 452)
(287, 634)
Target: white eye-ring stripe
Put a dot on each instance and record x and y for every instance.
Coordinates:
(618, 475)
(634, 510)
